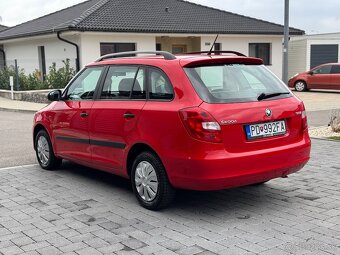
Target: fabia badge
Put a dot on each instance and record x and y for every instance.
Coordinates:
(268, 112)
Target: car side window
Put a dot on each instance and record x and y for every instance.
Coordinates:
(84, 86)
(335, 69)
(323, 70)
(160, 86)
(124, 82)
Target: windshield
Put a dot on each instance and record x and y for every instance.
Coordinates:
(235, 83)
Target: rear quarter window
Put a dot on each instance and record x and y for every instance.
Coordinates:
(160, 87)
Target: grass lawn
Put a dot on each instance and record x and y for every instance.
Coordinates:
(337, 138)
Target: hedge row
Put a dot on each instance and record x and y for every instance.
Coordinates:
(55, 79)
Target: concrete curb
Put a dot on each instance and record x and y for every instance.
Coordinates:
(324, 139)
(17, 110)
(19, 166)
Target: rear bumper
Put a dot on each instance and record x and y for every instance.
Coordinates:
(238, 169)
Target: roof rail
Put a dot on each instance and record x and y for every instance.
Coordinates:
(165, 54)
(219, 51)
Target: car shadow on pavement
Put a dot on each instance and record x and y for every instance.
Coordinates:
(239, 202)
(318, 91)
(96, 175)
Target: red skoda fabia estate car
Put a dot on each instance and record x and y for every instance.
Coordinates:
(193, 121)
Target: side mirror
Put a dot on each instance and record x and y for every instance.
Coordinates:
(54, 95)
(311, 72)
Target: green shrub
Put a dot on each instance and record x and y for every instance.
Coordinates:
(55, 79)
(58, 79)
(8, 71)
(34, 81)
(5, 73)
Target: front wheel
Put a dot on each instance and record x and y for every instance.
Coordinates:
(300, 86)
(44, 151)
(150, 182)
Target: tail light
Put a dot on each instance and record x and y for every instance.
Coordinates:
(201, 125)
(304, 118)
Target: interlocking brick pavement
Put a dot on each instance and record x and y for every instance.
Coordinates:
(77, 210)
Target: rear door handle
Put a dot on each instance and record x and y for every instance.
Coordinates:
(129, 115)
(84, 114)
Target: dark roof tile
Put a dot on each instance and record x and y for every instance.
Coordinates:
(153, 16)
(2, 27)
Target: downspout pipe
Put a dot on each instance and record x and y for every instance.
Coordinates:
(75, 45)
(4, 54)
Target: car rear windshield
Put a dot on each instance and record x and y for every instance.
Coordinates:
(231, 83)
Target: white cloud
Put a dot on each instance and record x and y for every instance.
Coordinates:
(14, 12)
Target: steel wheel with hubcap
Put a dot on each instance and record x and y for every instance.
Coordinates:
(146, 181)
(300, 86)
(44, 151)
(150, 182)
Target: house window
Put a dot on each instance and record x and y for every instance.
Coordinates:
(158, 46)
(2, 59)
(42, 62)
(107, 48)
(179, 48)
(261, 50)
(217, 46)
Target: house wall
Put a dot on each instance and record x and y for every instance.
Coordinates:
(240, 43)
(297, 57)
(26, 52)
(300, 50)
(90, 43)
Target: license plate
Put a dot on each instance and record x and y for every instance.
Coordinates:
(265, 129)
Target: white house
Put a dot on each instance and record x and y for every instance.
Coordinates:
(2, 53)
(308, 51)
(90, 29)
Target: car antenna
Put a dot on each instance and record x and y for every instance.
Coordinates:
(212, 46)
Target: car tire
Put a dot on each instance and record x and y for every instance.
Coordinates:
(44, 152)
(300, 86)
(150, 182)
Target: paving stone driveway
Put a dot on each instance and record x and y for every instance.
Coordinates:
(79, 211)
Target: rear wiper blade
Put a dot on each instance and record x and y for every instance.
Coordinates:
(265, 96)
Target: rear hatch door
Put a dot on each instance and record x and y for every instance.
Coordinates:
(258, 125)
(254, 108)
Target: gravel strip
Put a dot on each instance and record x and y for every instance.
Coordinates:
(322, 132)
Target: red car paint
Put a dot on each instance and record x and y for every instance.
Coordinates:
(326, 76)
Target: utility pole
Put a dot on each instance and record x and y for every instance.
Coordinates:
(285, 44)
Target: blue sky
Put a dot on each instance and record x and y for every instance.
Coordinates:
(322, 17)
